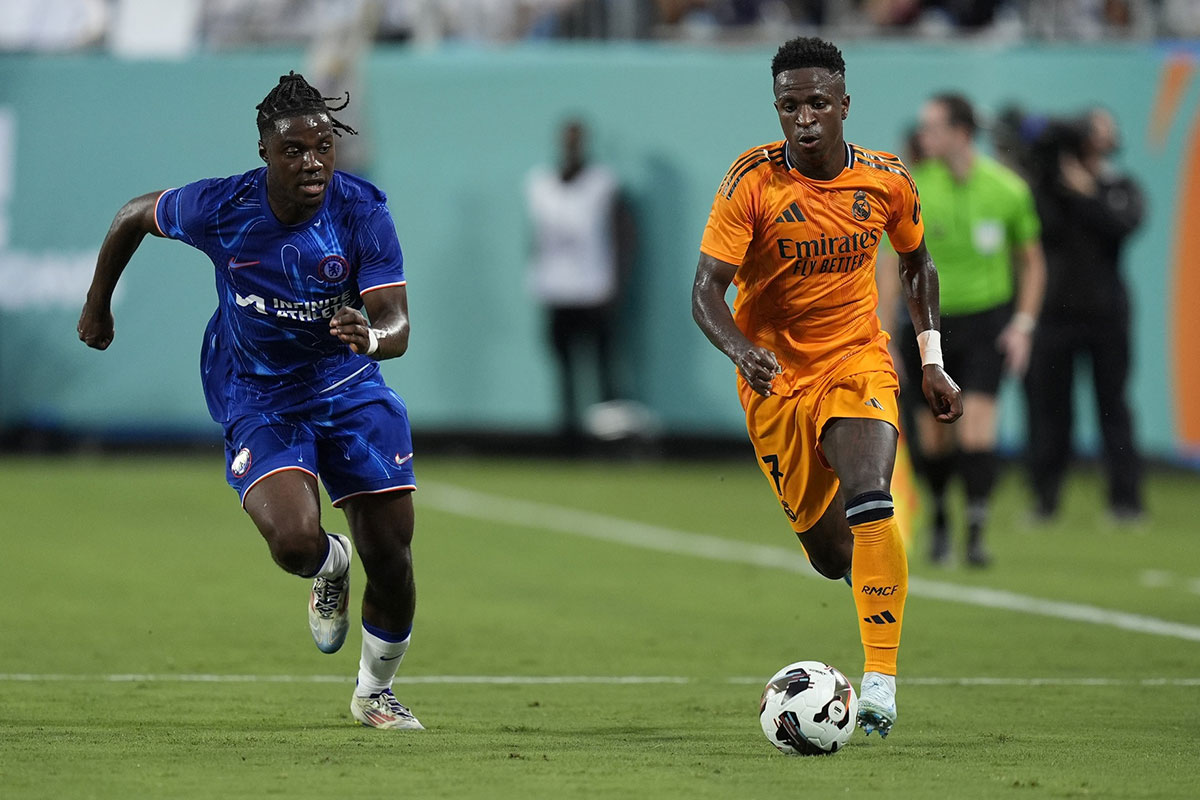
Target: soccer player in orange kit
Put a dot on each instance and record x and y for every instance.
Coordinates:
(795, 226)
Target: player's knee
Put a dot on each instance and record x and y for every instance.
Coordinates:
(865, 485)
(295, 557)
(388, 561)
(296, 545)
(834, 566)
(831, 558)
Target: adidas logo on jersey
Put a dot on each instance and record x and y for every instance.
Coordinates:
(791, 214)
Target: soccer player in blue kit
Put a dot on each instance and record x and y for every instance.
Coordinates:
(289, 367)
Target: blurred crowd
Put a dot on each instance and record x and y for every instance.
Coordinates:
(67, 25)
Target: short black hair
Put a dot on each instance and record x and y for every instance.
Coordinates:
(808, 51)
(959, 111)
(292, 97)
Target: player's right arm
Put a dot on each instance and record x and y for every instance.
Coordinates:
(727, 237)
(129, 227)
(756, 364)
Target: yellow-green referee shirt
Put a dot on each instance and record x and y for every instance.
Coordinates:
(972, 228)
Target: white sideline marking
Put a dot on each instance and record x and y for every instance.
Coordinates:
(1161, 578)
(529, 514)
(1155, 578)
(548, 680)
(537, 680)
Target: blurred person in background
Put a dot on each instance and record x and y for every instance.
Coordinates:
(981, 225)
(582, 248)
(54, 26)
(290, 368)
(1089, 209)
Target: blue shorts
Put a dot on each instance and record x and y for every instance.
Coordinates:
(357, 442)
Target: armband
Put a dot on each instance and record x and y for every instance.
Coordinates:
(373, 338)
(1024, 322)
(930, 344)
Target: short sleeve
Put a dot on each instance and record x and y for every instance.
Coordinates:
(380, 260)
(905, 226)
(1024, 226)
(183, 213)
(730, 224)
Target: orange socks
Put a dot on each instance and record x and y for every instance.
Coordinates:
(880, 576)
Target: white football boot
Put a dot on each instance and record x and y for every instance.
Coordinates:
(877, 703)
(383, 710)
(329, 604)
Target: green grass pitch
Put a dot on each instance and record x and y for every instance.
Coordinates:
(150, 649)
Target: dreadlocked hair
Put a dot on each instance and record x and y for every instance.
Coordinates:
(808, 51)
(294, 96)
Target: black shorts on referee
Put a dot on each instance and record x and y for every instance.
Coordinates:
(969, 349)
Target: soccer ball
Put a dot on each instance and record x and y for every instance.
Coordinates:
(808, 709)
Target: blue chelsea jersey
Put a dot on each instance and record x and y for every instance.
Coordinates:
(268, 346)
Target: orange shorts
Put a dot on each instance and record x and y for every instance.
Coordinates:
(786, 430)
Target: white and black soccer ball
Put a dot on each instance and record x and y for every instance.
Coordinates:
(808, 708)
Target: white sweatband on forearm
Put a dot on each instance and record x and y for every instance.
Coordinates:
(930, 344)
(373, 338)
(1024, 322)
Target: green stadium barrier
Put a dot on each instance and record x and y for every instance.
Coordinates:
(450, 134)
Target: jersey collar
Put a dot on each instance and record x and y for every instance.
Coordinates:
(848, 164)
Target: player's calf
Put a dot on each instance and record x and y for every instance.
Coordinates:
(829, 544)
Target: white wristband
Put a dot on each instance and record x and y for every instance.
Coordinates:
(1024, 322)
(373, 338)
(930, 344)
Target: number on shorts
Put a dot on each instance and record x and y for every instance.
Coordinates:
(776, 474)
(773, 462)
(787, 509)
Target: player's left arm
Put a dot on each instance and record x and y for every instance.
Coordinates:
(921, 292)
(919, 285)
(383, 332)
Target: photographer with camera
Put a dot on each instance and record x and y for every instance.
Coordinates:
(1088, 211)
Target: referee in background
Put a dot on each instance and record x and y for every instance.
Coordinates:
(982, 227)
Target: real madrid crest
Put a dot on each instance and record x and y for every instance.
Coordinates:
(861, 209)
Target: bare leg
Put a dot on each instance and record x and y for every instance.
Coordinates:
(863, 453)
(286, 509)
(829, 543)
(382, 527)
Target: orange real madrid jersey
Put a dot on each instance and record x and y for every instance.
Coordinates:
(805, 251)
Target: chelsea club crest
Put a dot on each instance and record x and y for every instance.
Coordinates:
(241, 462)
(333, 269)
